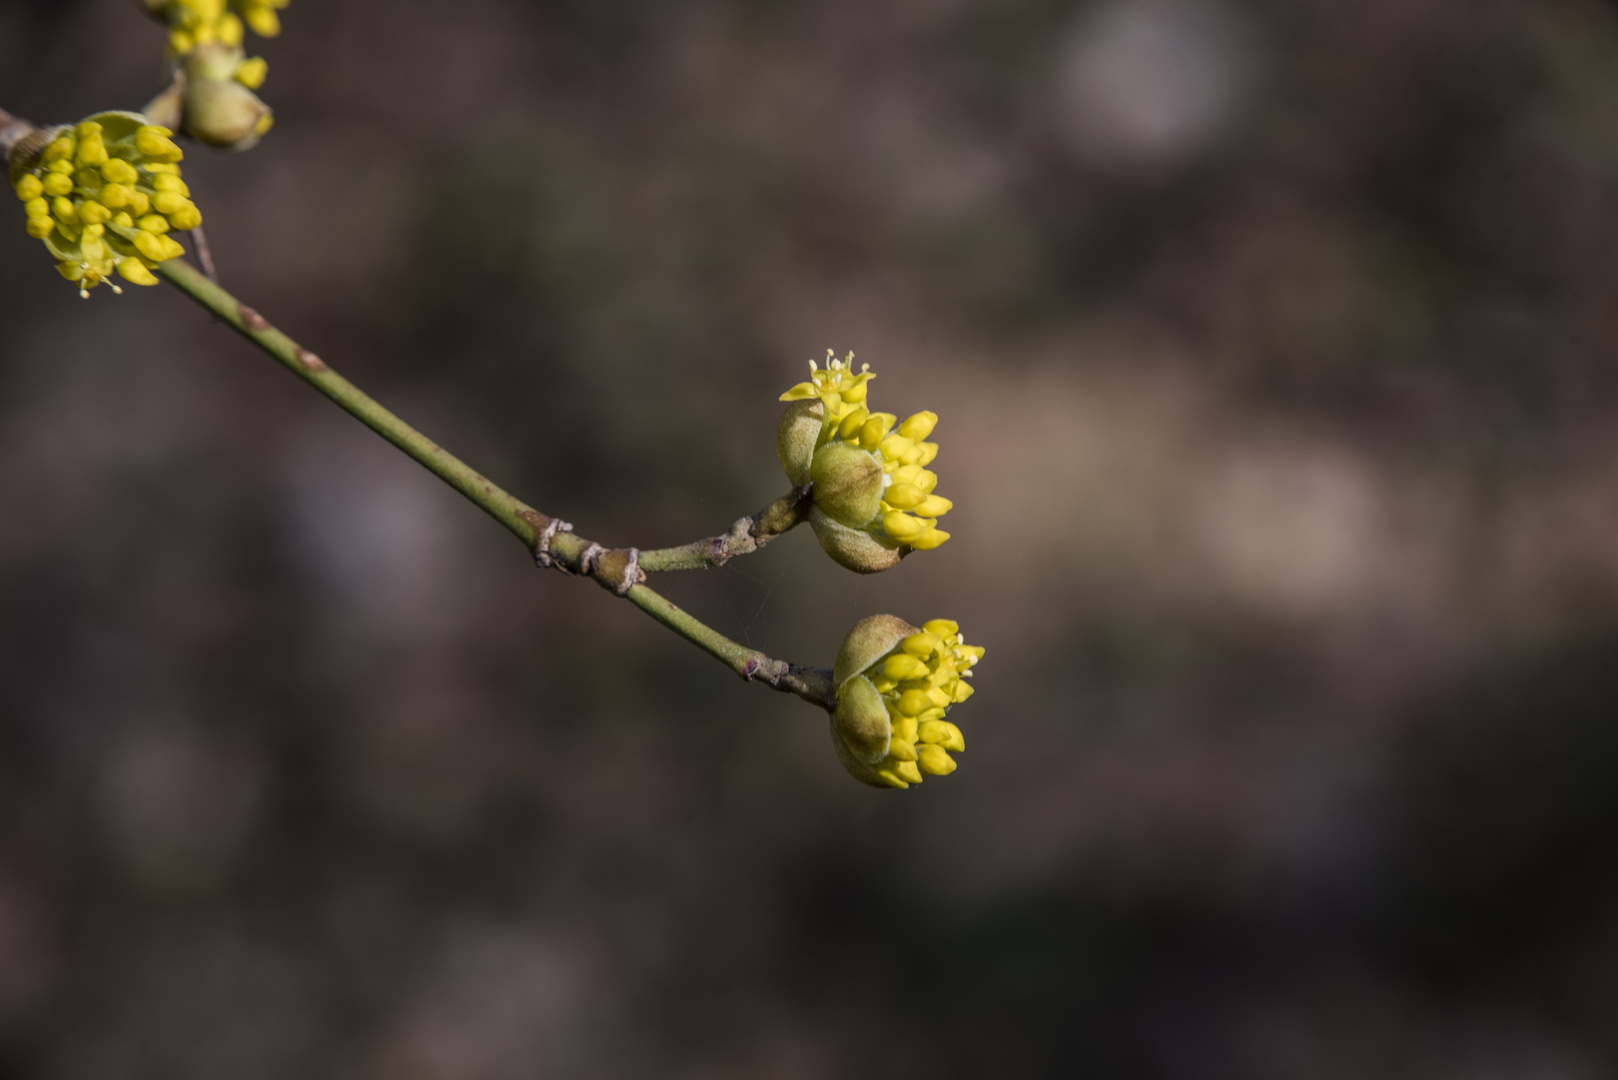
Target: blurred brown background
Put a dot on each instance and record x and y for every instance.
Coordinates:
(1275, 349)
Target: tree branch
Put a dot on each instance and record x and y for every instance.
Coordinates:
(745, 537)
(553, 543)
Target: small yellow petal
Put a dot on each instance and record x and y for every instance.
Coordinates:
(901, 751)
(942, 628)
(934, 506)
(929, 540)
(908, 771)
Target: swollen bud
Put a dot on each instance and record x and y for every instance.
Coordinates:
(224, 113)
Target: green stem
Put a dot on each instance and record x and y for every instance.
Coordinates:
(745, 537)
(618, 569)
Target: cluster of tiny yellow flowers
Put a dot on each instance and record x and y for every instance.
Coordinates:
(89, 178)
(890, 716)
(206, 22)
(906, 510)
(919, 681)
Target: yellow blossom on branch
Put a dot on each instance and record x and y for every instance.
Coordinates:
(103, 196)
(895, 683)
(874, 497)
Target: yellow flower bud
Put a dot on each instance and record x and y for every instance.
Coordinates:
(154, 142)
(41, 227)
(263, 20)
(252, 73)
(119, 172)
(919, 426)
(150, 245)
(29, 188)
(934, 762)
(902, 527)
(56, 184)
(168, 202)
(135, 272)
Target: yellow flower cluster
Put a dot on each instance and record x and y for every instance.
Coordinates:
(890, 714)
(104, 195)
(901, 506)
(194, 23)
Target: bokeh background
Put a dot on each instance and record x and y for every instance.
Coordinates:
(1276, 346)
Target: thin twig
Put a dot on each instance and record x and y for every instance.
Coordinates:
(619, 570)
(745, 537)
(199, 240)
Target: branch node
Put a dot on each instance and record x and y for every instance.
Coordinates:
(542, 546)
(587, 559)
